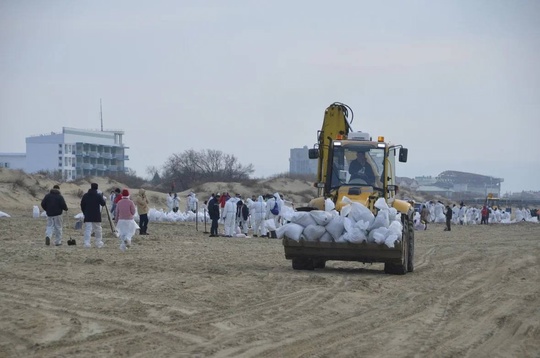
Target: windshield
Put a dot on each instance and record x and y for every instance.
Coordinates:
(357, 166)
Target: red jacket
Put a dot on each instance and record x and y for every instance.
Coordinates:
(222, 200)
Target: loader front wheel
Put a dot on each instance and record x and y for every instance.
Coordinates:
(302, 264)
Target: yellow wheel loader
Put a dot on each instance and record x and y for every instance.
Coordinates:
(336, 149)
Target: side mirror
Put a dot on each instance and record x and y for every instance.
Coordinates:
(403, 155)
(313, 153)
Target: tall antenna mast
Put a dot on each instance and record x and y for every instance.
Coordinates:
(101, 114)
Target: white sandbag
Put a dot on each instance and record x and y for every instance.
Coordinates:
(303, 218)
(35, 212)
(4, 215)
(287, 213)
(326, 237)
(43, 214)
(313, 232)
(329, 205)
(396, 227)
(348, 224)
(321, 217)
(346, 210)
(355, 236)
(292, 231)
(381, 220)
(360, 212)
(280, 231)
(391, 240)
(378, 235)
(381, 204)
(362, 225)
(336, 227)
(270, 224)
(393, 214)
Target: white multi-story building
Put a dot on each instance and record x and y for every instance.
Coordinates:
(75, 152)
(299, 162)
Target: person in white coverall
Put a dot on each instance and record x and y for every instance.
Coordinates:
(170, 202)
(258, 213)
(229, 217)
(191, 204)
(270, 204)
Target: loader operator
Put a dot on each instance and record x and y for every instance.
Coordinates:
(361, 169)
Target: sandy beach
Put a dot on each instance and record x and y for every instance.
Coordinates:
(475, 292)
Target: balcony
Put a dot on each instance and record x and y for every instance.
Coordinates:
(106, 155)
(121, 157)
(101, 167)
(87, 166)
(112, 168)
(93, 154)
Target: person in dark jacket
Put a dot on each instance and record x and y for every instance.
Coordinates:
(361, 169)
(91, 204)
(213, 212)
(242, 215)
(448, 215)
(54, 205)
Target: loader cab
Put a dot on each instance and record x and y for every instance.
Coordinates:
(378, 155)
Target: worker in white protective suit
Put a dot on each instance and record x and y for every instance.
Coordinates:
(258, 213)
(229, 217)
(270, 204)
(170, 202)
(192, 201)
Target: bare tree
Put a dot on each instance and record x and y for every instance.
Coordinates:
(191, 167)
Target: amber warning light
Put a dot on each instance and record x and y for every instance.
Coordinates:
(381, 139)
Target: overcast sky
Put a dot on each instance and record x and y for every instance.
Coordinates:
(457, 82)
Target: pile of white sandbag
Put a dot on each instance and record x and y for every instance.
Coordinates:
(354, 224)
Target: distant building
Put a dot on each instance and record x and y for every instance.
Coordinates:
(75, 152)
(12, 160)
(454, 184)
(299, 162)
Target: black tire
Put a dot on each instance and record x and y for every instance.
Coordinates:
(410, 261)
(302, 264)
(319, 263)
(401, 268)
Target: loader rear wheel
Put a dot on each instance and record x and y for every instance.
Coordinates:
(410, 261)
(319, 263)
(402, 267)
(302, 264)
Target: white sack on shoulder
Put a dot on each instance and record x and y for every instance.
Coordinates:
(303, 218)
(321, 217)
(313, 232)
